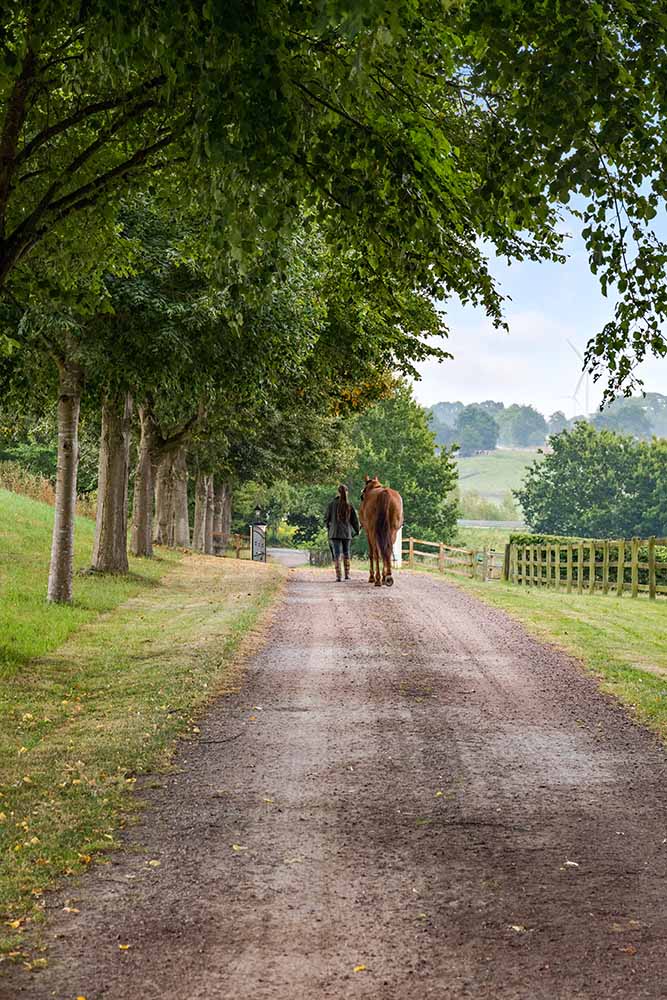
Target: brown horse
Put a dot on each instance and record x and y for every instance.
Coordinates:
(381, 514)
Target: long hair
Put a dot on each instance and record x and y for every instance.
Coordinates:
(343, 504)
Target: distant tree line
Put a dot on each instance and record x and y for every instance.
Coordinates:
(484, 426)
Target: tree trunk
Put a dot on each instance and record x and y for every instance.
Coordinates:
(208, 528)
(218, 505)
(142, 507)
(62, 546)
(226, 513)
(110, 546)
(201, 495)
(164, 500)
(181, 517)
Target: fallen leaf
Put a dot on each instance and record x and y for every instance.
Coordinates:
(438, 794)
(14, 924)
(70, 909)
(154, 864)
(519, 928)
(629, 949)
(239, 847)
(123, 947)
(267, 800)
(252, 718)
(360, 968)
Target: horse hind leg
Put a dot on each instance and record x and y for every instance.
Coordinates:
(371, 578)
(387, 578)
(378, 575)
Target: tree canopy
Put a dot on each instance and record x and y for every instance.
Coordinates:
(475, 430)
(409, 132)
(597, 484)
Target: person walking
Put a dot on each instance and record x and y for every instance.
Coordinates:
(342, 525)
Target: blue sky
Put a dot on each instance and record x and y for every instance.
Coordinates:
(550, 303)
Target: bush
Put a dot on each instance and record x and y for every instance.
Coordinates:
(478, 508)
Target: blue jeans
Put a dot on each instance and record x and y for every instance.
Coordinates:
(338, 546)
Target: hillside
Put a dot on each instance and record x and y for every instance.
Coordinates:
(493, 474)
(29, 627)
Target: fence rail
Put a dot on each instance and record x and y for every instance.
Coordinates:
(451, 559)
(633, 566)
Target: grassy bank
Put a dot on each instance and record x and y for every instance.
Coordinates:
(622, 641)
(29, 627)
(494, 474)
(82, 718)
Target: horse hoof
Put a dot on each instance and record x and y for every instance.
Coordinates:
(378, 583)
(389, 582)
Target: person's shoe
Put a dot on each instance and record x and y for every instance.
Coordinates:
(347, 569)
(337, 571)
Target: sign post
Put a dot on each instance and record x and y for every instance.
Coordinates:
(258, 537)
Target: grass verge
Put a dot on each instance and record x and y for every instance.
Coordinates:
(81, 722)
(620, 640)
(29, 627)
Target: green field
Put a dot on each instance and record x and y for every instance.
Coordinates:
(493, 475)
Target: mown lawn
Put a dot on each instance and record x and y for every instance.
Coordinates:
(622, 641)
(29, 627)
(82, 718)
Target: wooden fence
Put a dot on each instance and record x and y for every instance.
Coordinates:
(631, 566)
(450, 559)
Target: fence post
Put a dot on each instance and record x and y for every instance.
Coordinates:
(411, 552)
(568, 567)
(605, 567)
(441, 558)
(580, 568)
(506, 562)
(591, 567)
(485, 564)
(634, 566)
(651, 568)
(620, 569)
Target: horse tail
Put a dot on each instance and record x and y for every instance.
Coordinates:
(382, 527)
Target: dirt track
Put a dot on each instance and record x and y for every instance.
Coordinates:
(412, 785)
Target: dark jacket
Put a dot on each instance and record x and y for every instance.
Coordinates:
(341, 529)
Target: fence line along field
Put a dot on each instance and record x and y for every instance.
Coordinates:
(621, 566)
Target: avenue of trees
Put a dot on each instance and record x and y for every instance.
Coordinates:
(597, 484)
(224, 226)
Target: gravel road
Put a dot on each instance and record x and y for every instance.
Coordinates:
(410, 798)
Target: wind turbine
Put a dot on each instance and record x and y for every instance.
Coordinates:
(584, 377)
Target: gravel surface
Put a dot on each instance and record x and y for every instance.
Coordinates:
(288, 557)
(408, 786)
